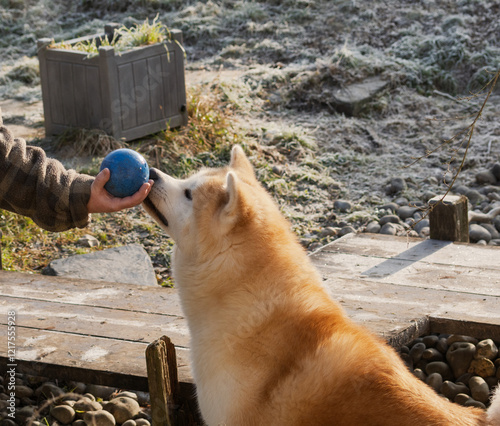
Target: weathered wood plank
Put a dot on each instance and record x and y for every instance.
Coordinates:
(95, 321)
(181, 86)
(139, 54)
(169, 79)
(67, 86)
(410, 273)
(90, 359)
(87, 358)
(94, 97)
(71, 56)
(110, 121)
(75, 291)
(156, 95)
(479, 330)
(141, 92)
(381, 306)
(81, 97)
(127, 96)
(430, 251)
(55, 94)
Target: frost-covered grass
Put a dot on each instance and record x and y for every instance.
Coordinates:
(273, 64)
(427, 45)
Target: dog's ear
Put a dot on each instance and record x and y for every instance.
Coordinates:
(233, 210)
(233, 197)
(240, 163)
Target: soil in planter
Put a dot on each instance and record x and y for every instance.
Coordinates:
(460, 368)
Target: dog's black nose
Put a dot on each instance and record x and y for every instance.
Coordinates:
(153, 174)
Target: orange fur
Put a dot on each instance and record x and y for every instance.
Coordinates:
(269, 346)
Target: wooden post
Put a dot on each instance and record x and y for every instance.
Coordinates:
(161, 363)
(42, 45)
(111, 120)
(448, 218)
(1, 267)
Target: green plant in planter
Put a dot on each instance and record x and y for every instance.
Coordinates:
(124, 38)
(141, 34)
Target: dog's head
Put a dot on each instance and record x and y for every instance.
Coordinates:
(207, 208)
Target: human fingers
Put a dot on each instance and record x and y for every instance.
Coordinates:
(135, 199)
(102, 178)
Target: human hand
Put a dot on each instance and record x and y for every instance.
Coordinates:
(101, 201)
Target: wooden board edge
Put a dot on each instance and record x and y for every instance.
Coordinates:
(85, 375)
(417, 328)
(479, 330)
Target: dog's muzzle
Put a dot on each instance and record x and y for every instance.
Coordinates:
(153, 175)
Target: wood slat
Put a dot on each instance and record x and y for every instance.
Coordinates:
(127, 96)
(430, 251)
(411, 273)
(156, 95)
(94, 97)
(90, 359)
(379, 305)
(139, 54)
(142, 93)
(169, 77)
(81, 96)
(95, 321)
(55, 92)
(67, 87)
(73, 291)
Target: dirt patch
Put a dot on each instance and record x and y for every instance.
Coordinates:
(25, 120)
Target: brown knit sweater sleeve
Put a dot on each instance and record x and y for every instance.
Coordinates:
(33, 185)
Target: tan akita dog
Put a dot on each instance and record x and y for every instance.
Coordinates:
(269, 346)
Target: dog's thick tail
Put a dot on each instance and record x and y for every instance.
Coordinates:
(494, 409)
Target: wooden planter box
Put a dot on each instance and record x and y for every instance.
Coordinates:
(128, 94)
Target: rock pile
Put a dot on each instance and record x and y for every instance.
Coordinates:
(459, 368)
(41, 402)
(403, 216)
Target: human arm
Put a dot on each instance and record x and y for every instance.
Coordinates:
(33, 185)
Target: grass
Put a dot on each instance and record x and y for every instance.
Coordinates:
(88, 142)
(206, 141)
(27, 247)
(143, 34)
(294, 53)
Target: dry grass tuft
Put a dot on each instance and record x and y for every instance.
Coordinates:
(88, 142)
(206, 140)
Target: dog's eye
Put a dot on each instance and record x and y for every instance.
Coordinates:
(187, 193)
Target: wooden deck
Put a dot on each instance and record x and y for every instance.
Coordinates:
(97, 332)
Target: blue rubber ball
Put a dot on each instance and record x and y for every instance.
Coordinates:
(129, 170)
